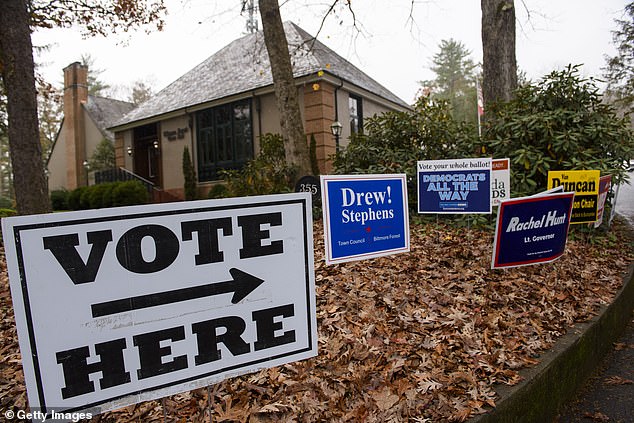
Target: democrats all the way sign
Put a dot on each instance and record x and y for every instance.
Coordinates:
(454, 186)
(365, 216)
(117, 306)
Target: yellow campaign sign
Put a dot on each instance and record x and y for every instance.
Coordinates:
(585, 184)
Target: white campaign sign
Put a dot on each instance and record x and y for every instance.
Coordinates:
(117, 306)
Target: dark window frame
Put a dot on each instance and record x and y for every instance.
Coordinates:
(224, 138)
(355, 119)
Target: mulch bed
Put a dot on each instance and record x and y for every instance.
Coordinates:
(422, 336)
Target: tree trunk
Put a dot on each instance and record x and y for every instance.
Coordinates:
(498, 47)
(16, 62)
(295, 143)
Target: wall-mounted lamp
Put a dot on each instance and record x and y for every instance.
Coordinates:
(336, 129)
(129, 150)
(156, 144)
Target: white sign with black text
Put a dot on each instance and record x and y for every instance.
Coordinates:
(117, 306)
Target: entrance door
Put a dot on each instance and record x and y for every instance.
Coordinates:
(147, 163)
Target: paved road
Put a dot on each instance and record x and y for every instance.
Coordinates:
(609, 395)
(625, 200)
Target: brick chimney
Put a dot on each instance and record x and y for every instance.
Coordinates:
(75, 94)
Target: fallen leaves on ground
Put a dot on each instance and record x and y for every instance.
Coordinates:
(421, 336)
(597, 416)
(617, 380)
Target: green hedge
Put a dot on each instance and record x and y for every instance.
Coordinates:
(59, 199)
(99, 196)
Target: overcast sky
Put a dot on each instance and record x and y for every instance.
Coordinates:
(391, 47)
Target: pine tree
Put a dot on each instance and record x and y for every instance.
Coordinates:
(455, 80)
(619, 72)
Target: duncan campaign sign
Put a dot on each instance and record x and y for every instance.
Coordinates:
(365, 216)
(585, 184)
(454, 186)
(532, 230)
(604, 189)
(117, 306)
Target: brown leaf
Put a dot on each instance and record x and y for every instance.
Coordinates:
(384, 398)
(617, 380)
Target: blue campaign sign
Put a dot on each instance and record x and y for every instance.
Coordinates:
(454, 186)
(365, 216)
(532, 230)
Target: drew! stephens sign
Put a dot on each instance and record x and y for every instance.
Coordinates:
(122, 305)
(365, 216)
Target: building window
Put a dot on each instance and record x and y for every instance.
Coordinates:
(356, 114)
(224, 137)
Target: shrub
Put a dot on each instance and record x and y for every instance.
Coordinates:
(84, 198)
(59, 199)
(104, 156)
(218, 191)
(110, 194)
(129, 193)
(74, 198)
(314, 166)
(6, 202)
(268, 173)
(100, 195)
(395, 141)
(7, 212)
(190, 176)
(560, 123)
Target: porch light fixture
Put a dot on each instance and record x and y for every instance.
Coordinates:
(156, 144)
(129, 150)
(336, 128)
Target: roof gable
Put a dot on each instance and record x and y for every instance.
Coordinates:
(243, 65)
(105, 112)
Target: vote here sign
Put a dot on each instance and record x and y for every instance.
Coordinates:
(117, 306)
(365, 216)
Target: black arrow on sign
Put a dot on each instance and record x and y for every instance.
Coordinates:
(241, 285)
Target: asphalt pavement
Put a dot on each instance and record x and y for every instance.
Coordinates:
(608, 396)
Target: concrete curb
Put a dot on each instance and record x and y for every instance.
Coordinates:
(564, 368)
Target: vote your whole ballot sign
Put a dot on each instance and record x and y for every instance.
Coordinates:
(121, 305)
(454, 186)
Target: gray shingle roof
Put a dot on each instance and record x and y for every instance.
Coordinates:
(105, 112)
(243, 65)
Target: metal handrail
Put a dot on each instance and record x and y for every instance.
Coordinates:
(121, 174)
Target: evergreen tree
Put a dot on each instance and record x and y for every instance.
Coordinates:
(455, 80)
(104, 156)
(619, 72)
(190, 176)
(96, 86)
